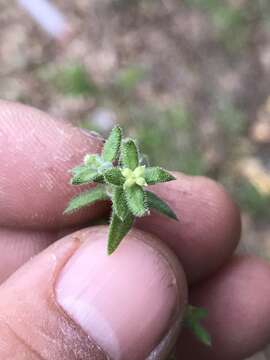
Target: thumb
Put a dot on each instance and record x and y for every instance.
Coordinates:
(73, 301)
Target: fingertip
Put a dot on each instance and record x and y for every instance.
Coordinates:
(18, 246)
(120, 306)
(37, 153)
(237, 299)
(209, 224)
(142, 279)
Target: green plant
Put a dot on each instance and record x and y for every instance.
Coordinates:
(127, 79)
(232, 120)
(73, 80)
(228, 20)
(252, 200)
(122, 178)
(192, 320)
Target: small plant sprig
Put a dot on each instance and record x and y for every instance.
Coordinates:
(122, 178)
(192, 320)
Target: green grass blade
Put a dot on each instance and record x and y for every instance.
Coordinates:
(118, 230)
(159, 205)
(112, 145)
(86, 198)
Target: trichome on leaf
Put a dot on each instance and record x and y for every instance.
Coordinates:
(122, 178)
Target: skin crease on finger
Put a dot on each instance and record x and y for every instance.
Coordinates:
(237, 299)
(31, 318)
(18, 246)
(36, 154)
(209, 225)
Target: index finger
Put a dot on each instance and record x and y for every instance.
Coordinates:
(36, 152)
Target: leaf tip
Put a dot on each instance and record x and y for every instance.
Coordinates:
(170, 176)
(174, 217)
(66, 211)
(110, 250)
(111, 247)
(118, 128)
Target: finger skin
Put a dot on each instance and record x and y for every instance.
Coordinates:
(18, 246)
(36, 154)
(34, 191)
(209, 224)
(237, 299)
(33, 324)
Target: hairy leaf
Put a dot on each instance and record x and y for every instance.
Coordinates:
(86, 176)
(119, 202)
(129, 154)
(114, 176)
(136, 200)
(161, 206)
(154, 175)
(92, 161)
(112, 145)
(192, 319)
(118, 230)
(86, 198)
(78, 169)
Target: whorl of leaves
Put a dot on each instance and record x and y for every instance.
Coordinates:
(123, 180)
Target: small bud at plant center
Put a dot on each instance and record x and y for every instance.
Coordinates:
(134, 177)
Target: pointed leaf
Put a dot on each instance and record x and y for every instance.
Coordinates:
(86, 176)
(112, 145)
(154, 175)
(78, 169)
(192, 319)
(86, 198)
(129, 154)
(202, 335)
(118, 230)
(119, 202)
(158, 204)
(92, 161)
(114, 176)
(136, 200)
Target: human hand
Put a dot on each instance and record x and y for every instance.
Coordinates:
(72, 300)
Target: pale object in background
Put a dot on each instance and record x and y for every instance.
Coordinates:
(48, 17)
(104, 119)
(260, 129)
(254, 170)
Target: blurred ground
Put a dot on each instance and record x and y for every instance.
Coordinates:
(189, 77)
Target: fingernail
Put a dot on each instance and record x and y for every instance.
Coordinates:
(125, 302)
